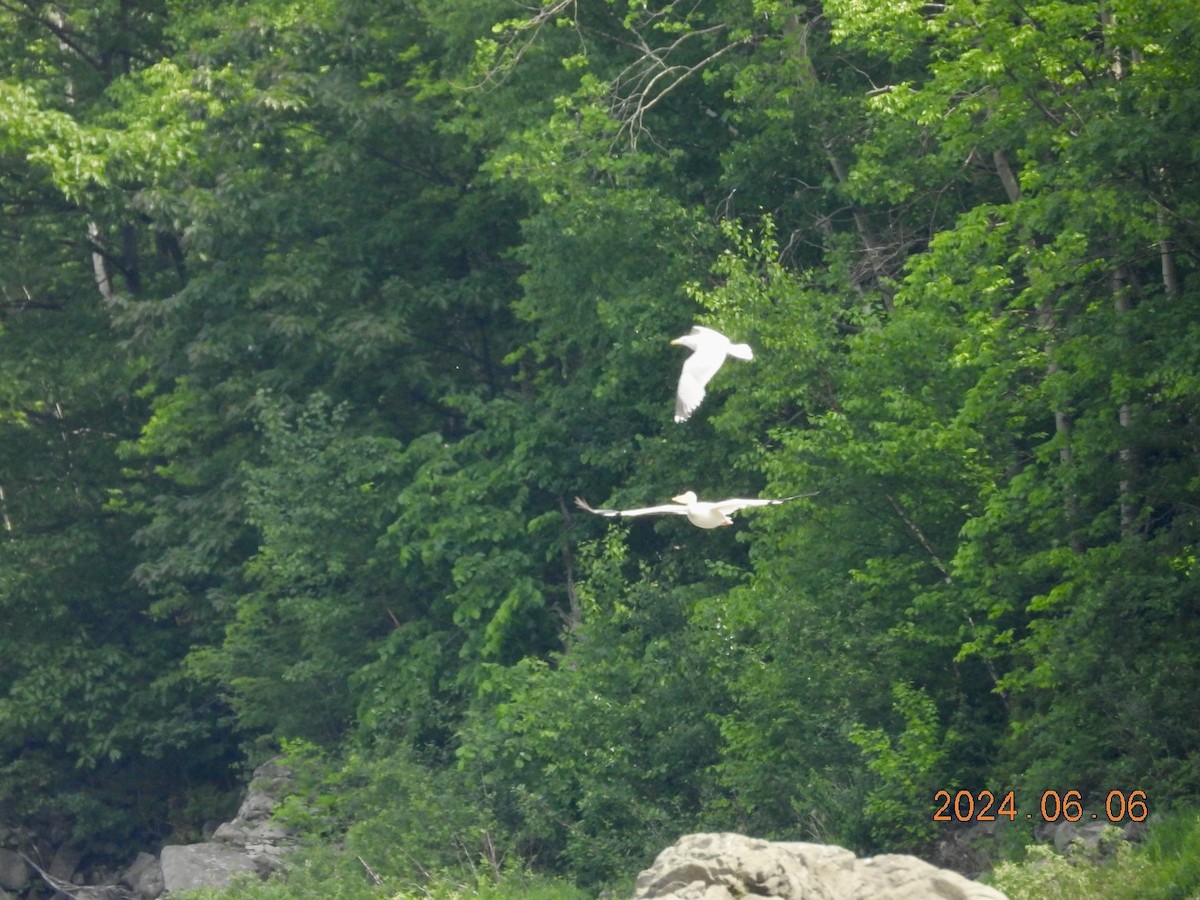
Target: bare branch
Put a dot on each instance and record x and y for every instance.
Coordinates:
(60, 30)
(574, 615)
(522, 37)
(27, 301)
(644, 84)
(370, 872)
(71, 889)
(920, 536)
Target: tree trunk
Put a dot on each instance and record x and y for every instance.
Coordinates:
(1126, 454)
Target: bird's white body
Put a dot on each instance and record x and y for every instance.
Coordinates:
(709, 350)
(700, 513)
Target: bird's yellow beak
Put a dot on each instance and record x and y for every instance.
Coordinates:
(675, 341)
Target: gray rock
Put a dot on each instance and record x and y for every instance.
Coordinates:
(1087, 836)
(144, 877)
(93, 892)
(252, 829)
(14, 871)
(1134, 831)
(251, 842)
(728, 866)
(65, 862)
(189, 866)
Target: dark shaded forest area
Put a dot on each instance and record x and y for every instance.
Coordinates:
(316, 317)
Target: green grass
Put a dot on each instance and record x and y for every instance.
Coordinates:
(1166, 866)
(316, 878)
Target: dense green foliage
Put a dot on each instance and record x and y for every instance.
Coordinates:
(315, 318)
(1165, 867)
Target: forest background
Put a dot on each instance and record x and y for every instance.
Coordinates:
(315, 317)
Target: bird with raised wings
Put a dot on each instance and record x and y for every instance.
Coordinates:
(709, 349)
(700, 513)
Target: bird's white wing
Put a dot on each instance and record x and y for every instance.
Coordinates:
(741, 351)
(698, 370)
(735, 503)
(666, 509)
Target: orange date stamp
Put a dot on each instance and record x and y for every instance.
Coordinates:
(1054, 806)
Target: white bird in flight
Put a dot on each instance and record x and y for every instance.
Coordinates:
(709, 349)
(699, 513)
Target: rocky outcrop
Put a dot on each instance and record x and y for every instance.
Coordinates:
(263, 841)
(14, 871)
(728, 866)
(189, 866)
(145, 877)
(1083, 837)
(250, 842)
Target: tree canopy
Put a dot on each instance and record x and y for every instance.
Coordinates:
(315, 318)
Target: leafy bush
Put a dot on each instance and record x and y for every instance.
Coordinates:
(395, 820)
(334, 878)
(905, 769)
(1165, 867)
